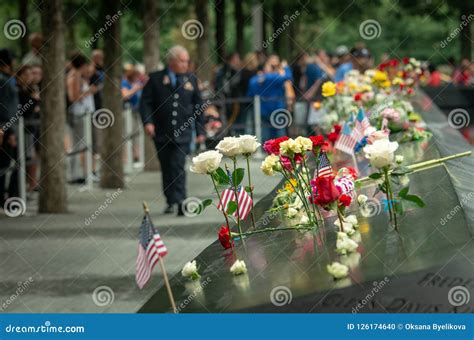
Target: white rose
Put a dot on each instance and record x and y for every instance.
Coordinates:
(291, 212)
(305, 143)
(238, 267)
(337, 270)
(352, 219)
(399, 159)
(351, 260)
(304, 219)
(381, 152)
(344, 244)
(289, 147)
(362, 199)
(404, 180)
(190, 270)
(269, 164)
(206, 162)
(248, 144)
(229, 146)
(347, 227)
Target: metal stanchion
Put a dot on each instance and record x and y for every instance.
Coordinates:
(88, 156)
(128, 141)
(21, 159)
(141, 146)
(257, 116)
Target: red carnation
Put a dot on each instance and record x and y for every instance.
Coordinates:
(317, 140)
(327, 192)
(409, 91)
(345, 200)
(332, 137)
(224, 237)
(406, 60)
(272, 146)
(358, 97)
(353, 172)
(393, 62)
(337, 128)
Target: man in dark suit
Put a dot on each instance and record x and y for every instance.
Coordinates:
(171, 107)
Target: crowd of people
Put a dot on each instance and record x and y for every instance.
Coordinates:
(281, 84)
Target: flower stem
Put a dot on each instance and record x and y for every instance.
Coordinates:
(388, 192)
(237, 197)
(223, 212)
(341, 219)
(266, 230)
(251, 191)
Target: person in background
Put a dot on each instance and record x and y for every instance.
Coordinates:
(97, 79)
(80, 95)
(131, 88)
(434, 76)
(461, 75)
(345, 63)
(269, 83)
(361, 59)
(33, 57)
(249, 69)
(170, 99)
(29, 108)
(8, 109)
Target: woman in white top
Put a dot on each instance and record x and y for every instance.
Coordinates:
(80, 97)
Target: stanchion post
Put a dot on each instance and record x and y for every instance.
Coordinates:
(141, 146)
(21, 159)
(88, 156)
(257, 117)
(128, 140)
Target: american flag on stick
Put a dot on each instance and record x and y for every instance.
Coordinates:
(244, 199)
(362, 122)
(346, 141)
(150, 249)
(324, 166)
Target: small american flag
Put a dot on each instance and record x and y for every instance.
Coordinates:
(346, 140)
(362, 122)
(245, 202)
(150, 249)
(324, 166)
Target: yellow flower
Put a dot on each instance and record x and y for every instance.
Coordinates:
(397, 81)
(380, 76)
(329, 89)
(365, 88)
(290, 185)
(386, 83)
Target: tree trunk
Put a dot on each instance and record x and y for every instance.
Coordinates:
(151, 57)
(258, 26)
(204, 64)
(278, 11)
(52, 198)
(239, 27)
(23, 15)
(112, 163)
(220, 30)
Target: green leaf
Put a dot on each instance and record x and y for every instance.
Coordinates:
(221, 176)
(202, 206)
(415, 199)
(401, 170)
(231, 207)
(403, 192)
(375, 175)
(248, 189)
(237, 176)
(398, 205)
